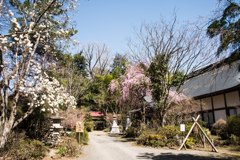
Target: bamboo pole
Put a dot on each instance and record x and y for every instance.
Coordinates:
(207, 138)
(189, 132)
(196, 123)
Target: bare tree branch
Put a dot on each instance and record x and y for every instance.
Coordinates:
(98, 58)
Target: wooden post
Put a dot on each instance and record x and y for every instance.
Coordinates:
(79, 137)
(204, 141)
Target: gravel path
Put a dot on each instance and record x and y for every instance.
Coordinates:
(103, 146)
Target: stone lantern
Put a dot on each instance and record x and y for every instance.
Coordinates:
(128, 124)
(115, 127)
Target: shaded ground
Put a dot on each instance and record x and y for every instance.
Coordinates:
(103, 146)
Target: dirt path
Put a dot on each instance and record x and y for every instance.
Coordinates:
(103, 146)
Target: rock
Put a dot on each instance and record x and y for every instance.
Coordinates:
(56, 156)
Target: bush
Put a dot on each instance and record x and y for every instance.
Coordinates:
(219, 128)
(132, 132)
(154, 124)
(172, 142)
(72, 134)
(69, 147)
(151, 140)
(24, 148)
(84, 137)
(120, 128)
(233, 125)
(190, 142)
(89, 126)
(168, 131)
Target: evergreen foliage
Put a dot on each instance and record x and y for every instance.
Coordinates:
(227, 28)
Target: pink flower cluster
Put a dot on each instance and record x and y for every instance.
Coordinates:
(176, 97)
(134, 86)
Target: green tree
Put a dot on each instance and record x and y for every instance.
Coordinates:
(118, 66)
(72, 74)
(80, 63)
(99, 94)
(227, 27)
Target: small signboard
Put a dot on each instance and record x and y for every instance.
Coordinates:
(182, 127)
(79, 127)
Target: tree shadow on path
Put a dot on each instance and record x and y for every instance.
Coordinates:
(170, 156)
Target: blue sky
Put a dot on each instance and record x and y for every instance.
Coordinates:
(112, 21)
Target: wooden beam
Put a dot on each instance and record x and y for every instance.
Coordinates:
(189, 132)
(196, 123)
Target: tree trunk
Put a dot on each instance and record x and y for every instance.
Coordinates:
(3, 139)
(6, 129)
(162, 121)
(162, 118)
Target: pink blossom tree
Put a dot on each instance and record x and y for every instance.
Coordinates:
(182, 108)
(132, 88)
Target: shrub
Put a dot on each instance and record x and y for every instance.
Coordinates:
(151, 140)
(190, 142)
(219, 128)
(154, 124)
(25, 149)
(72, 134)
(233, 139)
(84, 137)
(69, 147)
(89, 126)
(132, 132)
(168, 131)
(120, 128)
(172, 143)
(233, 125)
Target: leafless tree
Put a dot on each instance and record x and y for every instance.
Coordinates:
(71, 117)
(174, 48)
(184, 110)
(98, 58)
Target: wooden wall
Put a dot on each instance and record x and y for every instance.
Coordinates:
(220, 106)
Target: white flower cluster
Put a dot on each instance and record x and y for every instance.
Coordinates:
(45, 90)
(14, 21)
(3, 42)
(62, 32)
(11, 13)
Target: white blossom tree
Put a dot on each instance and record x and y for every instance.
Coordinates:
(29, 47)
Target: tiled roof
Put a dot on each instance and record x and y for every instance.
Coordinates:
(96, 114)
(219, 79)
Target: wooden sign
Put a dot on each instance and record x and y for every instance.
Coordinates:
(79, 127)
